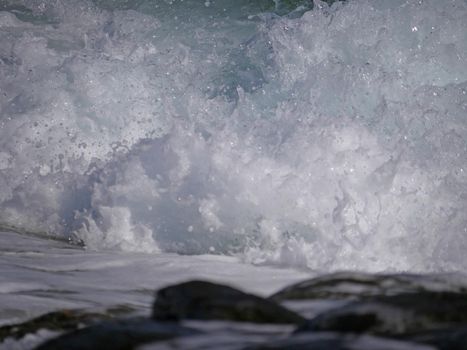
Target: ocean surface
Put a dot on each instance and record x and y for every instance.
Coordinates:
(144, 142)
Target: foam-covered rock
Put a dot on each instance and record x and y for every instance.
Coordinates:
(359, 285)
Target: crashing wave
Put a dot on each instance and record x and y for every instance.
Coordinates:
(327, 138)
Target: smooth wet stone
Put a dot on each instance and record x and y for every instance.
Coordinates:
(395, 315)
(63, 320)
(357, 285)
(117, 335)
(199, 300)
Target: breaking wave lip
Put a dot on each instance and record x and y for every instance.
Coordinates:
(326, 139)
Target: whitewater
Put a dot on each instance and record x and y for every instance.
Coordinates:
(144, 142)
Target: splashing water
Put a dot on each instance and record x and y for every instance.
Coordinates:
(326, 138)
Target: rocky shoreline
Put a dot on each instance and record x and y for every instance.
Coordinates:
(335, 311)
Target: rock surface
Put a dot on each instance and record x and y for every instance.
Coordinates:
(62, 320)
(117, 335)
(200, 300)
(377, 312)
(453, 338)
(395, 315)
(336, 341)
(357, 285)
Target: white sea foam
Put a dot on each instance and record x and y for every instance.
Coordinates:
(332, 140)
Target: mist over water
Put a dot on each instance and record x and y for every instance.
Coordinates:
(326, 138)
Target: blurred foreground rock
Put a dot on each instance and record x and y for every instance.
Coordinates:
(338, 341)
(357, 285)
(62, 320)
(362, 311)
(117, 335)
(201, 300)
(396, 315)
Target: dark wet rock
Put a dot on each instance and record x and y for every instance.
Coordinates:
(356, 285)
(63, 320)
(395, 315)
(336, 341)
(117, 335)
(201, 300)
(361, 311)
(454, 338)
